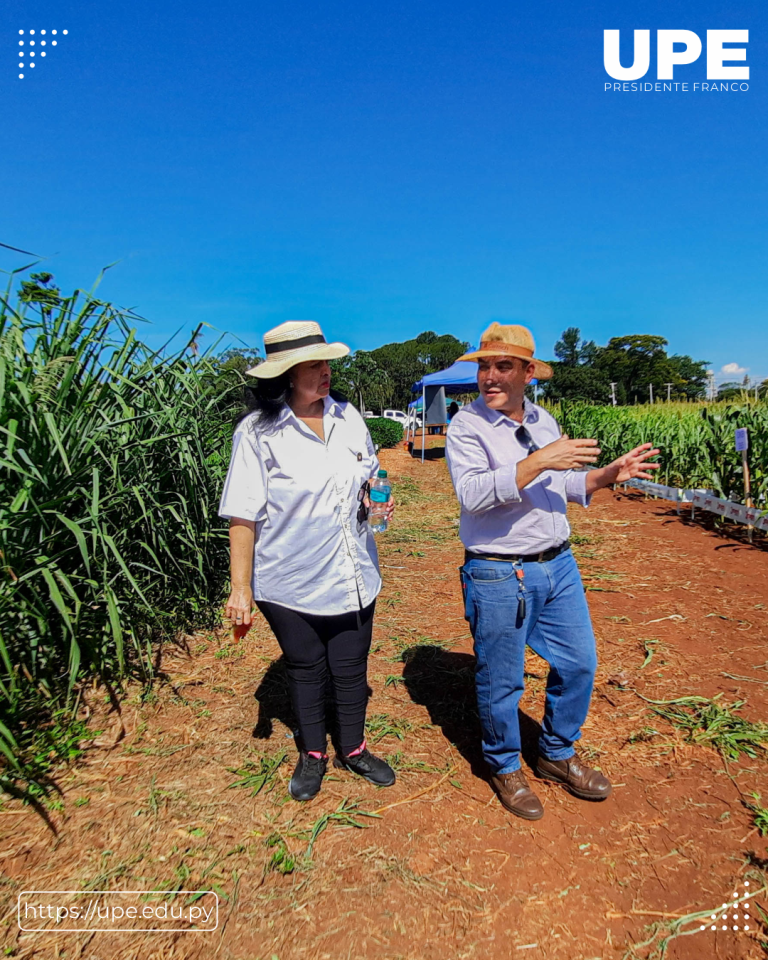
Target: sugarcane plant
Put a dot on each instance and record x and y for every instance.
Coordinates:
(111, 459)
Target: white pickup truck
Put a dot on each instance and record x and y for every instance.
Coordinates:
(396, 415)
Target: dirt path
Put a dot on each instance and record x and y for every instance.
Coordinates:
(443, 872)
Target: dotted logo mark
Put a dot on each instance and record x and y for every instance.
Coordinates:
(739, 921)
(27, 53)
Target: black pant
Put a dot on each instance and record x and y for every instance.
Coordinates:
(314, 645)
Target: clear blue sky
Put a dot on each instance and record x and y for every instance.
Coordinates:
(389, 169)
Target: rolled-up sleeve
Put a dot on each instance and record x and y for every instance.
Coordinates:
(245, 488)
(576, 487)
(477, 486)
(371, 450)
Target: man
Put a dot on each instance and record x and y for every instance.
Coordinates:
(513, 473)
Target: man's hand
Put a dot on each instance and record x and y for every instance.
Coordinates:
(634, 465)
(630, 466)
(567, 454)
(562, 454)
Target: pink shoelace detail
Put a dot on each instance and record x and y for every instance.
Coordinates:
(356, 753)
(317, 755)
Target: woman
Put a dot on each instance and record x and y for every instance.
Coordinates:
(301, 547)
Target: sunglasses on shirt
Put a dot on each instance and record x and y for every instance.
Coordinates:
(526, 440)
(362, 510)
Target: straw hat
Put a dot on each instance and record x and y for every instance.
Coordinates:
(509, 340)
(294, 342)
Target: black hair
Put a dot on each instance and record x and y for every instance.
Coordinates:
(266, 398)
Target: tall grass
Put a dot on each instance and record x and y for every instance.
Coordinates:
(111, 459)
(696, 440)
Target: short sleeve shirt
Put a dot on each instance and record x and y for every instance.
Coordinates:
(311, 553)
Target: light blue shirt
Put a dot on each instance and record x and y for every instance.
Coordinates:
(483, 449)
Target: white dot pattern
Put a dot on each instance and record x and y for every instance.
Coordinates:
(31, 53)
(724, 914)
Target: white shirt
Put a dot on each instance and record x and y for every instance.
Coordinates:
(483, 448)
(311, 554)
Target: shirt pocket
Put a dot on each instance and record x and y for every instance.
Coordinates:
(353, 467)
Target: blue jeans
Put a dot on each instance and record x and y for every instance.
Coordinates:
(556, 626)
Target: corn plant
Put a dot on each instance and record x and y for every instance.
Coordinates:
(696, 440)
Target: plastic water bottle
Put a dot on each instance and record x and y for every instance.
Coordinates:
(381, 490)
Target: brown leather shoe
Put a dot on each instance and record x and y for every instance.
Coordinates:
(582, 781)
(516, 795)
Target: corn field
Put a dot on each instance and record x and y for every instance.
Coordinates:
(110, 473)
(696, 440)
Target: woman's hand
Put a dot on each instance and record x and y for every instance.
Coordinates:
(390, 509)
(239, 606)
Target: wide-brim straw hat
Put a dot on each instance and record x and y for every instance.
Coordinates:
(509, 340)
(294, 342)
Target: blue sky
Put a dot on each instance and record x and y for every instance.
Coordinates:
(386, 170)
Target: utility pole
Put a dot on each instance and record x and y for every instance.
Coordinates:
(613, 394)
(669, 391)
(650, 390)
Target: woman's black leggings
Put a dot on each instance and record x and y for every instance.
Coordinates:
(313, 646)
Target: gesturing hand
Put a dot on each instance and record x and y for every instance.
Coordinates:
(634, 465)
(567, 454)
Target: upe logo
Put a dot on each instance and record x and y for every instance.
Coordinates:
(667, 57)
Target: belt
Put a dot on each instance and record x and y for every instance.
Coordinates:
(542, 557)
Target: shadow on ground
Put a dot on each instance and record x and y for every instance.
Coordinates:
(431, 453)
(444, 683)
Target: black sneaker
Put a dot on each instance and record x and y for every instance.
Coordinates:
(374, 769)
(307, 777)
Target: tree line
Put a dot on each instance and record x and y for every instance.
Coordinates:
(632, 369)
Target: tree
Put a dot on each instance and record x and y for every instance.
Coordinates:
(730, 391)
(239, 359)
(640, 361)
(580, 382)
(40, 289)
(575, 375)
(406, 363)
(359, 375)
(635, 363)
(688, 377)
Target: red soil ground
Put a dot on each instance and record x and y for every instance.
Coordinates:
(444, 871)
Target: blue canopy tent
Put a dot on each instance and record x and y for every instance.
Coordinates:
(459, 378)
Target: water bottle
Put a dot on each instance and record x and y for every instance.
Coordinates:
(381, 490)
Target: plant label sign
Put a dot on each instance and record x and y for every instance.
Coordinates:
(742, 439)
